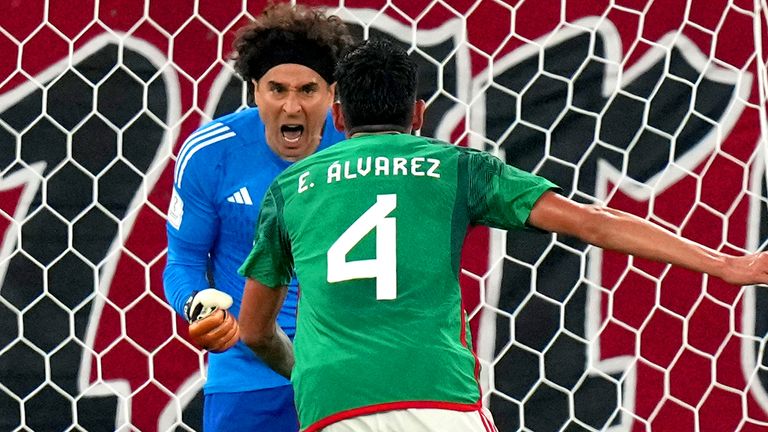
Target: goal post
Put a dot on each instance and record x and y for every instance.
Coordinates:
(655, 107)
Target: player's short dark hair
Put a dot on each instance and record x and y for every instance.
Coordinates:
(286, 33)
(376, 85)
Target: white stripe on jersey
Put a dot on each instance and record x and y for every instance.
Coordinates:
(195, 143)
(246, 196)
(193, 139)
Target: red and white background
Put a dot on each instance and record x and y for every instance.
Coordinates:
(653, 107)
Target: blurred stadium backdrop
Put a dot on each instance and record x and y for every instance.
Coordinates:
(657, 107)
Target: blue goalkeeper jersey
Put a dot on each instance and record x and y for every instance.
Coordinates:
(221, 175)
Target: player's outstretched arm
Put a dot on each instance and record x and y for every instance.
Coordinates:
(622, 232)
(259, 329)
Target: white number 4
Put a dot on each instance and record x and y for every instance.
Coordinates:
(384, 267)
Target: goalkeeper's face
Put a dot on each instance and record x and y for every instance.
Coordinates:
(293, 103)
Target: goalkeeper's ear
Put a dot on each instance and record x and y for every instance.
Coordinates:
(203, 303)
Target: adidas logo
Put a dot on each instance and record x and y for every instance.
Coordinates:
(241, 197)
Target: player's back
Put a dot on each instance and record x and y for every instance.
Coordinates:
(376, 225)
(387, 202)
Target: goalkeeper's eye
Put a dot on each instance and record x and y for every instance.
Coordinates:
(276, 88)
(309, 89)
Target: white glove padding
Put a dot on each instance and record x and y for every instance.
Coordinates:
(203, 303)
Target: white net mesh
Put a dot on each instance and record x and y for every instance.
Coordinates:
(654, 107)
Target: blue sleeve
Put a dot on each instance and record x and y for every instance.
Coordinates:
(192, 226)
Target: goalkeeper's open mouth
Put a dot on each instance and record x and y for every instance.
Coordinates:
(292, 132)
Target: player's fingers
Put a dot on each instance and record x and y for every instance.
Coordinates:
(202, 327)
(223, 329)
(213, 333)
(219, 332)
(228, 339)
(218, 338)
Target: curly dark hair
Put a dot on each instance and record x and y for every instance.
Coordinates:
(290, 34)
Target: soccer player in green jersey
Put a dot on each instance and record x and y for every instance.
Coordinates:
(373, 228)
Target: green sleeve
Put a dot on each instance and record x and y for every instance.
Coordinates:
(500, 195)
(270, 261)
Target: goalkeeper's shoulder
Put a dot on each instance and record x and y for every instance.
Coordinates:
(213, 140)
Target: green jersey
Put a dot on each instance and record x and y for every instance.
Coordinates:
(374, 228)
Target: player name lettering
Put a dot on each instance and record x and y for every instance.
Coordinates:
(376, 166)
(383, 166)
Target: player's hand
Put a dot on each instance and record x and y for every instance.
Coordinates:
(217, 332)
(747, 270)
(211, 326)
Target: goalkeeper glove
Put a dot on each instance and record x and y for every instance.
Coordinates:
(211, 325)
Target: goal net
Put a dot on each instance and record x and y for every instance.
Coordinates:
(656, 107)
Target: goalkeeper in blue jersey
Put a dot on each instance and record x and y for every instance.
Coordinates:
(222, 171)
(382, 341)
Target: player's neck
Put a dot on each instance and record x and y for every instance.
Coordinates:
(383, 129)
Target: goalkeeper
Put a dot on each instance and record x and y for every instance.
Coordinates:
(287, 55)
(382, 342)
